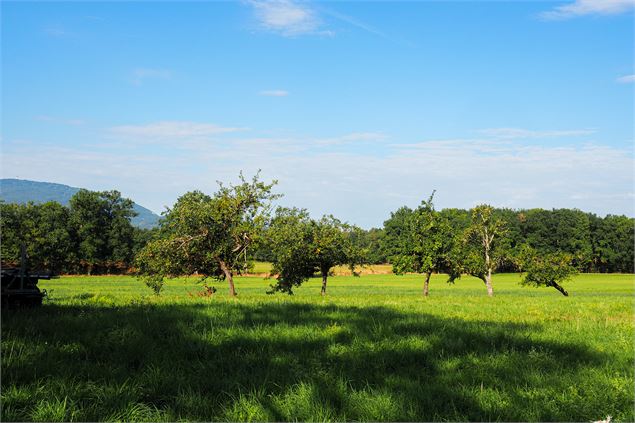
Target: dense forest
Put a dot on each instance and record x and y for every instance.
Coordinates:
(93, 235)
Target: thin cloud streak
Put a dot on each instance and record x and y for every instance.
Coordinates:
(626, 79)
(589, 7)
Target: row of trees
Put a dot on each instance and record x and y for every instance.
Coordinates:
(216, 235)
(597, 244)
(92, 235)
(210, 236)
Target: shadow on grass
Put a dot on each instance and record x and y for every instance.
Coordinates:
(288, 361)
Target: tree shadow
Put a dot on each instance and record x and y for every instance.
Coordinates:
(233, 361)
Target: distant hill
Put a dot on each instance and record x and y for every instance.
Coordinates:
(22, 191)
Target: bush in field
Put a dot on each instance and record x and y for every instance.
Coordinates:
(208, 235)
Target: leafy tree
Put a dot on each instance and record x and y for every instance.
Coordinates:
(302, 246)
(613, 239)
(89, 225)
(100, 223)
(332, 246)
(290, 239)
(49, 245)
(121, 233)
(372, 241)
(549, 270)
(43, 228)
(481, 252)
(426, 243)
(208, 235)
(11, 228)
(396, 230)
(566, 230)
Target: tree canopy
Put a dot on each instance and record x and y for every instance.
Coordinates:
(208, 235)
(302, 246)
(482, 248)
(425, 243)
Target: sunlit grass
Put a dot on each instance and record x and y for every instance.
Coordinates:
(105, 348)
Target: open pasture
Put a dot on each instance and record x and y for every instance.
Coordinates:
(105, 348)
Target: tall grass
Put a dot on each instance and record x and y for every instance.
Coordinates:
(104, 348)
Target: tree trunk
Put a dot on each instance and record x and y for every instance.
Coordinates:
(426, 284)
(229, 276)
(488, 283)
(325, 275)
(559, 288)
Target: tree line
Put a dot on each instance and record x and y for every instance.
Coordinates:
(218, 235)
(93, 235)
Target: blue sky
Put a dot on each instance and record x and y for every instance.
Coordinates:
(357, 108)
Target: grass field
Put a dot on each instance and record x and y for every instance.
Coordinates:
(104, 348)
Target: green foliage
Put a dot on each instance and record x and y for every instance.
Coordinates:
(547, 270)
(94, 234)
(482, 249)
(100, 223)
(302, 246)
(397, 230)
(43, 230)
(613, 244)
(425, 241)
(290, 242)
(208, 235)
(563, 230)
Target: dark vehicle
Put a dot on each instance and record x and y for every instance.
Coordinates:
(19, 287)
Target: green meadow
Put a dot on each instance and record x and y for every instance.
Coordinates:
(373, 349)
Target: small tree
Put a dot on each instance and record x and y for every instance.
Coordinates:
(302, 247)
(290, 237)
(425, 244)
(548, 270)
(481, 251)
(333, 246)
(207, 235)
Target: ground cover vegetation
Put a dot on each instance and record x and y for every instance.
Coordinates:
(373, 349)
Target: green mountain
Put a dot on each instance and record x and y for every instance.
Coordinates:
(22, 191)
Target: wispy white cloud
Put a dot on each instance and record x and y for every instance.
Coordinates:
(626, 79)
(588, 7)
(172, 130)
(520, 133)
(360, 185)
(363, 26)
(286, 17)
(139, 75)
(274, 93)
